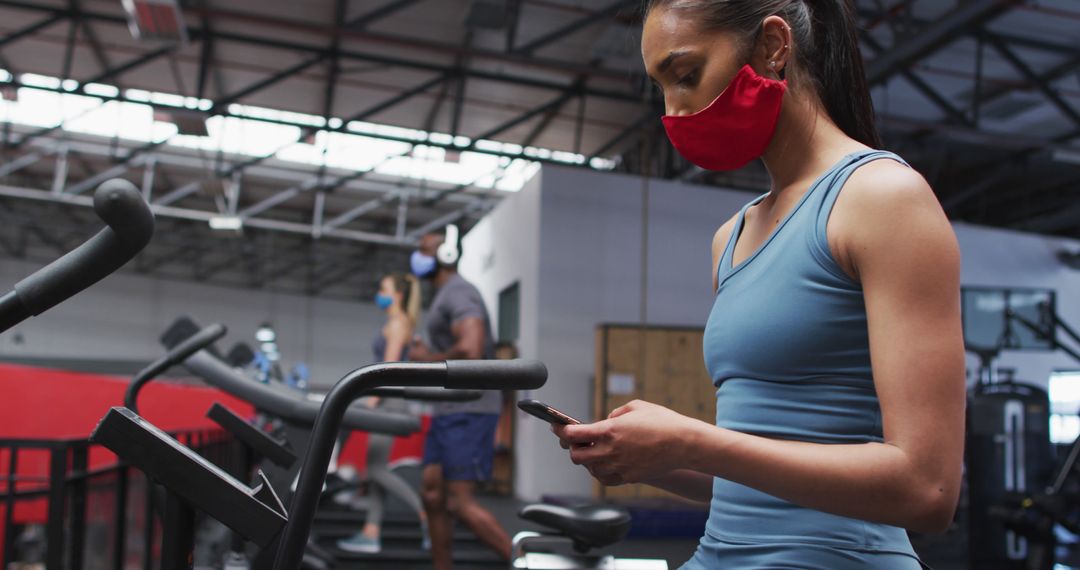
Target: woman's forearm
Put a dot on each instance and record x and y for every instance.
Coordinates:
(872, 481)
(691, 485)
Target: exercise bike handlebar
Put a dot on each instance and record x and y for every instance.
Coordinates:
(130, 226)
(426, 394)
(290, 405)
(464, 375)
(174, 356)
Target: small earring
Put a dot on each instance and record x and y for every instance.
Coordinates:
(772, 64)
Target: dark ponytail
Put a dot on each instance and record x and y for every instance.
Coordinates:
(826, 51)
(836, 67)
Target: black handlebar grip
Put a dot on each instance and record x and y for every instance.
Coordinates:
(195, 343)
(495, 374)
(131, 224)
(176, 354)
(426, 394)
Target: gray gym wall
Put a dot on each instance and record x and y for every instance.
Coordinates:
(573, 238)
(121, 318)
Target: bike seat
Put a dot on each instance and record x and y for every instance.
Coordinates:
(592, 526)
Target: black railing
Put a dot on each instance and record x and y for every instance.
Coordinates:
(103, 518)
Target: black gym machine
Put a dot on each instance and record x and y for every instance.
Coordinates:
(1015, 495)
(191, 346)
(257, 513)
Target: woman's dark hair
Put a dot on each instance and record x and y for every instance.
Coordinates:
(826, 48)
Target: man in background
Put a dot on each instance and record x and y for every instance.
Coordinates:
(459, 449)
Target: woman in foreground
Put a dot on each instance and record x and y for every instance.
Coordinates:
(834, 340)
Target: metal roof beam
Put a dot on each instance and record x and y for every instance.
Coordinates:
(356, 212)
(934, 36)
(103, 76)
(177, 194)
(400, 97)
(1055, 99)
(194, 163)
(550, 115)
(91, 37)
(442, 221)
(28, 159)
(223, 103)
(513, 11)
(447, 146)
(546, 107)
(278, 43)
(956, 115)
(1056, 221)
(143, 59)
(363, 20)
(645, 119)
(362, 115)
(1022, 202)
(100, 177)
(1052, 74)
(32, 28)
(610, 11)
(204, 216)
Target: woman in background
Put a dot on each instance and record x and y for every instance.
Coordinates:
(399, 297)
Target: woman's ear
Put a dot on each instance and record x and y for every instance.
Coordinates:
(773, 49)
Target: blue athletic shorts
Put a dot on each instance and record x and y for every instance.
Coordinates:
(463, 444)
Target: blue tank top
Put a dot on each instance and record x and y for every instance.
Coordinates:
(787, 347)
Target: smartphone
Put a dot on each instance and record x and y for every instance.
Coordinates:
(546, 412)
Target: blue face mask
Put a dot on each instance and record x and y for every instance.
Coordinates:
(422, 265)
(383, 302)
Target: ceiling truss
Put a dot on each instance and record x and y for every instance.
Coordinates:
(319, 212)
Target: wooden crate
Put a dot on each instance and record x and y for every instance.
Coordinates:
(662, 365)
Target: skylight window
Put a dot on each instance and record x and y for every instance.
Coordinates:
(407, 157)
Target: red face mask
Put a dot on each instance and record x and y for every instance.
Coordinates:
(735, 128)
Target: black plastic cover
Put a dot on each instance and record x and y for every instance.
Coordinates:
(256, 513)
(256, 439)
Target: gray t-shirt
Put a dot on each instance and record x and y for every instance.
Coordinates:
(458, 299)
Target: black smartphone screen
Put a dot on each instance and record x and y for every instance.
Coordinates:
(546, 412)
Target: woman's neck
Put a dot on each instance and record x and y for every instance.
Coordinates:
(806, 143)
(395, 310)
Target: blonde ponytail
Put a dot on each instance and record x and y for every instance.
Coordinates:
(412, 299)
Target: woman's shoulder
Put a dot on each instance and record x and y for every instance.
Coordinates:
(885, 183)
(884, 202)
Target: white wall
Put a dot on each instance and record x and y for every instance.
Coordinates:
(122, 317)
(587, 227)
